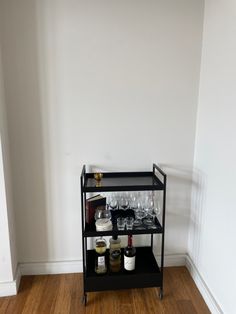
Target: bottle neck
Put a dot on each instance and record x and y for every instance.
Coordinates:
(130, 241)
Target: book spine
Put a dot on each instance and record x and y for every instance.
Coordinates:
(90, 212)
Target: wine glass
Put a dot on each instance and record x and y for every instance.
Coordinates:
(113, 202)
(108, 200)
(124, 202)
(139, 215)
(157, 209)
(149, 209)
(133, 202)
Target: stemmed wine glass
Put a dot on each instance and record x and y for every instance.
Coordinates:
(155, 213)
(108, 200)
(149, 209)
(124, 202)
(133, 202)
(157, 209)
(139, 215)
(113, 203)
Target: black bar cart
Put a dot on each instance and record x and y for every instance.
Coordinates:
(147, 271)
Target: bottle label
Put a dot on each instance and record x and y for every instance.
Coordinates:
(129, 263)
(101, 260)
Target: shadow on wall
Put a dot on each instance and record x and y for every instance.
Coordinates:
(187, 190)
(179, 185)
(196, 221)
(20, 53)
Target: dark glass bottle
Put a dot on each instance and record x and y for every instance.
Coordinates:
(129, 256)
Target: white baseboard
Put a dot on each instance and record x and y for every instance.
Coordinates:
(11, 287)
(17, 277)
(8, 288)
(63, 267)
(202, 287)
(172, 260)
(45, 268)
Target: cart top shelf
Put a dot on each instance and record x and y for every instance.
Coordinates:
(123, 181)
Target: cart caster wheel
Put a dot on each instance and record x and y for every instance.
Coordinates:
(161, 294)
(84, 299)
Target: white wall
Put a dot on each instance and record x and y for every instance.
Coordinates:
(5, 252)
(8, 256)
(112, 84)
(212, 233)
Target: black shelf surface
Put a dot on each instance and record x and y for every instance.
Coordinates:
(90, 230)
(122, 181)
(147, 273)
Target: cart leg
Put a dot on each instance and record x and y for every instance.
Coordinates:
(84, 299)
(161, 293)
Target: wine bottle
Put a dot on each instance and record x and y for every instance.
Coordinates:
(129, 256)
(100, 257)
(115, 254)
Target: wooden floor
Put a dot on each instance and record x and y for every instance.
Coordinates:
(62, 294)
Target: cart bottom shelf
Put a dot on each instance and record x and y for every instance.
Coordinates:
(147, 274)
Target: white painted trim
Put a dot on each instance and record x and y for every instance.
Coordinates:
(11, 287)
(202, 286)
(45, 268)
(8, 288)
(172, 260)
(18, 277)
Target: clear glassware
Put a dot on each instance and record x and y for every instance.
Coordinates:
(113, 202)
(154, 212)
(121, 223)
(139, 215)
(108, 200)
(124, 202)
(133, 202)
(129, 223)
(102, 213)
(157, 208)
(149, 209)
(99, 213)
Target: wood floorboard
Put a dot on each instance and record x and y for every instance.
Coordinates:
(49, 294)
(193, 292)
(34, 297)
(16, 303)
(4, 304)
(186, 307)
(62, 294)
(76, 295)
